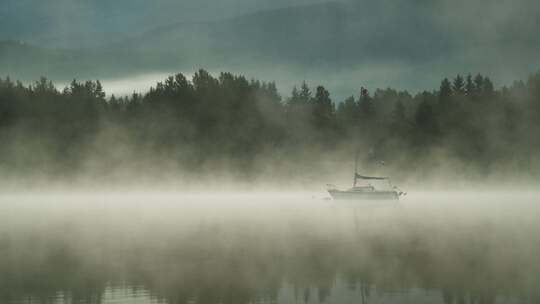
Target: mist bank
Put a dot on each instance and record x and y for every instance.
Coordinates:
(227, 128)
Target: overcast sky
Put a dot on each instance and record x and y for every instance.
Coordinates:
(498, 38)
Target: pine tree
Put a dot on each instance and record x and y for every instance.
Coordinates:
(458, 85)
(348, 113)
(469, 86)
(323, 110)
(295, 97)
(305, 94)
(99, 93)
(478, 83)
(366, 106)
(445, 90)
(488, 89)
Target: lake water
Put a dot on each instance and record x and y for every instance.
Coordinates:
(268, 248)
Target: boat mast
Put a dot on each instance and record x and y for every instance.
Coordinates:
(355, 168)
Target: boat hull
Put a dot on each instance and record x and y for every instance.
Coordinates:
(364, 196)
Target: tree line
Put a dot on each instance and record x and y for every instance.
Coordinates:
(466, 122)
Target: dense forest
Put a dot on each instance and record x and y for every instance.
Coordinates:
(466, 127)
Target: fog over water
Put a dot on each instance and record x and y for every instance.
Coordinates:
(434, 247)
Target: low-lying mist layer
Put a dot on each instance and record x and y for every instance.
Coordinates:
(455, 248)
(229, 128)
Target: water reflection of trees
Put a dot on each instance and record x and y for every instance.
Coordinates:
(217, 265)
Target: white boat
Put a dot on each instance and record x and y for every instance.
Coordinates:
(372, 189)
(367, 192)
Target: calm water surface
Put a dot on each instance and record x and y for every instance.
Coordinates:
(269, 248)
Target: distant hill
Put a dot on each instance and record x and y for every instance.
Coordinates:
(329, 33)
(345, 33)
